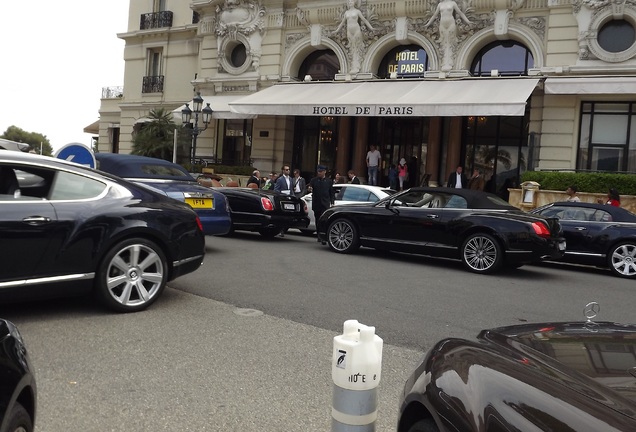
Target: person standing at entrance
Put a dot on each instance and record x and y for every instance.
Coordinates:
(284, 183)
(403, 173)
(477, 181)
(322, 193)
(353, 179)
(299, 184)
(457, 179)
(373, 163)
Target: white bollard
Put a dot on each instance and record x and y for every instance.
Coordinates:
(356, 370)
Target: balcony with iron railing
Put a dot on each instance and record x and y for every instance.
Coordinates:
(152, 84)
(155, 20)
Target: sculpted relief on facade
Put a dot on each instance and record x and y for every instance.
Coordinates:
(448, 26)
(239, 22)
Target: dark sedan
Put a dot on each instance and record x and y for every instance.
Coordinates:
(67, 229)
(18, 392)
(174, 181)
(597, 234)
(575, 376)
(478, 228)
(263, 211)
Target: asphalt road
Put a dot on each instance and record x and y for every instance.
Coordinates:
(244, 343)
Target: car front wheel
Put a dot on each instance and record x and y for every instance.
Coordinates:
(132, 275)
(481, 253)
(19, 420)
(622, 260)
(342, 236)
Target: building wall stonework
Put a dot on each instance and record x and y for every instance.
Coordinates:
(279, 35)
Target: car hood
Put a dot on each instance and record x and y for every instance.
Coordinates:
(596, 354)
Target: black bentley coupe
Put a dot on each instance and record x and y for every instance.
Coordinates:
(478, 228)
(67, 229)
(554, 376)
(597, 234)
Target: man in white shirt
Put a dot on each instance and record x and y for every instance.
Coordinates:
(457, 179)
(571, 192)
(373, 162)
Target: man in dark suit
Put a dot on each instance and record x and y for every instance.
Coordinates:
(457, 179)
(300, 185)
(353, 179)
(322, 194)
(255, 178)
(284, 183)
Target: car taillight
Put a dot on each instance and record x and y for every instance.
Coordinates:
(306, 208)
(541, 229)
(199, 224)
(267, 204)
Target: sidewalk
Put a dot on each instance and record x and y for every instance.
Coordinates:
(191, 364)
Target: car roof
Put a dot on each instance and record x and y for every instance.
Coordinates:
(134, 166)
(474, 198)
(618, 213)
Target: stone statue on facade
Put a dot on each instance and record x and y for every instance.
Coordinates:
(448, 13)
(352, 17)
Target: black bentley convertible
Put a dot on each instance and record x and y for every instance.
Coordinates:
(478, 228)
(597, 234)
(565, 376)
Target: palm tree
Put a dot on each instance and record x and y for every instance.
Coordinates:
(155, 139)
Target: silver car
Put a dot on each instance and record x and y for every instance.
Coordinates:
(13, 145)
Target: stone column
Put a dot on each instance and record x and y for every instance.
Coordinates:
(433, 151)
(454, 150)
(360, 147)
(344, 146)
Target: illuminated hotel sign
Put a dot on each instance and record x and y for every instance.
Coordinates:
(408, 63)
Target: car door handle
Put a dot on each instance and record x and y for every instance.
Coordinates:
(36, 220)
(580, 228)
(432, 216)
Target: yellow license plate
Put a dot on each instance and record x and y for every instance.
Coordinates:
(200, 203)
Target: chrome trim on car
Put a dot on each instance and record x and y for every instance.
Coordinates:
(52, 279)
(597, 255)
(185, 261)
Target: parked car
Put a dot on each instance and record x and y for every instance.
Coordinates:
(68, 229)
(263, 211)
(18, 391)
(348, 194)
(478, 228)
(568, 376)
(174, 181)
(597, 234)
(14, 145)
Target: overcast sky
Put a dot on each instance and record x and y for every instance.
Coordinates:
(56, 57)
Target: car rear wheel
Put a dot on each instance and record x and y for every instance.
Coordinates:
(342, 236)
(426, 425)
(19, 420)
(132, 275)
(622, 260)
(481, 253)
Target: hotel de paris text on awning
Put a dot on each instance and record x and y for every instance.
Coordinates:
(418, 98)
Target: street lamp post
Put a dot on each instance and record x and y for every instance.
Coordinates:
(206, 118)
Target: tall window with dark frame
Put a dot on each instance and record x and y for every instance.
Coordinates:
(607, 137)
(509, 58)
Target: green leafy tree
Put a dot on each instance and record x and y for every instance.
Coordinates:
(34, 139)
(155, 139)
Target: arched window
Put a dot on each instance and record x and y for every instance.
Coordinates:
(509, 57)
(406, 61)
(322, 65)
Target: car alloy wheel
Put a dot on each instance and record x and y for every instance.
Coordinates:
(481, 253)
(132, 275)
(342, 236)
(622, 260)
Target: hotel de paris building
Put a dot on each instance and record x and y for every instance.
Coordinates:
(500, 85)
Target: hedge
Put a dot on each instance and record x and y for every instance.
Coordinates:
(585, 182)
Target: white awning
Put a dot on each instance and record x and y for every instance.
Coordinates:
(466, 97)
(590, 85)
(92, 128)
(219, 105)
